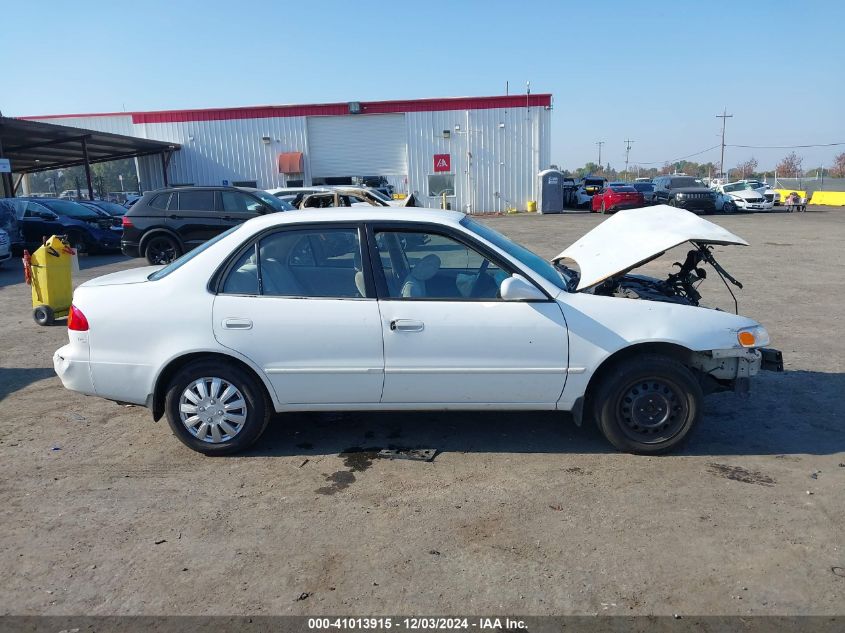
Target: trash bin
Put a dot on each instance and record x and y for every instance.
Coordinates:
(531, 207)
(48, 271)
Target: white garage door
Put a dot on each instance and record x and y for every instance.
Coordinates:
(357, 145)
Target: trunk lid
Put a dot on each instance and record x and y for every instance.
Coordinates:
(632, 238)
(132, 276)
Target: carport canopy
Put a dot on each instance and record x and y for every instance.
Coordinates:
(33, 146)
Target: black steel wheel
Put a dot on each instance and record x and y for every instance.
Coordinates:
(161, 249)
(648, 405)
(43, 315)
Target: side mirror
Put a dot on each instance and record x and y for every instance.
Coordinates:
(518, 288)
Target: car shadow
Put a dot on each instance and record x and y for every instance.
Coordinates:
(14, 378)
(797, 412)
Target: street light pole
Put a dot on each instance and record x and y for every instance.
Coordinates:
(724, 116)
(600, 143)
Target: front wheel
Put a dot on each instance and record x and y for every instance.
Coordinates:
(161, 249)
(216, 408)
(648, 405)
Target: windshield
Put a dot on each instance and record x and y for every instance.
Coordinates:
(70, 209)
(559, 277)
(681, 183)
(178, 263)
(110, 207)
(273, 202)
(380, 195)
(643, 186)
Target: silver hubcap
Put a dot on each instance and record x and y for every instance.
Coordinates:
(213, 410)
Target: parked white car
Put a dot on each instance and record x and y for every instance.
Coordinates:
(745, 196)
(411, 309)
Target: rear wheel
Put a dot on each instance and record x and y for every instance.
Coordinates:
(216, 408)
(648, 405)
(161, 249)
(77, 243)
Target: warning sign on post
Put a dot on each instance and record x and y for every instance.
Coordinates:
(442, 162)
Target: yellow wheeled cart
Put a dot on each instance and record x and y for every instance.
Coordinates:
(48, 271)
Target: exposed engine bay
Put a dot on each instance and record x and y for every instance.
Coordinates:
(679, 287)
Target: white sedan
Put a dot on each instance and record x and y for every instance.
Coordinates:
(409, 309)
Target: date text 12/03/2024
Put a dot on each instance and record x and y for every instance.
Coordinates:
(416, 623)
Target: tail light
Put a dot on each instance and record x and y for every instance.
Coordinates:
(126, 223)
(76, 320)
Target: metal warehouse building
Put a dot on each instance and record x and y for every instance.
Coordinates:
(484, 152)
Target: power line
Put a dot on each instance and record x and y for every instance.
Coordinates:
(786, 146)
(675, 160)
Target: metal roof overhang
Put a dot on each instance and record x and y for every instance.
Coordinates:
(33, 146)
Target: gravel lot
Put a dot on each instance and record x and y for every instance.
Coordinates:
(104, 512)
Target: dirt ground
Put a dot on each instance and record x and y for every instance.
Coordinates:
(104, 512)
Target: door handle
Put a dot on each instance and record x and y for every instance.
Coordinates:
(406, 325)
(237, 324)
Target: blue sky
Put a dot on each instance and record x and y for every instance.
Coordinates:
(654, 71)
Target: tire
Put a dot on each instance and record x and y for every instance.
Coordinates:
(43, 315)
(254, 412)
(638, 390)
(77, 243)
(161, 249)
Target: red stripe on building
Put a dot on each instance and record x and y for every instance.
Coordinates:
(325, 109)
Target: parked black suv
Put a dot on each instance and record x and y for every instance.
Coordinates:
(685, 192)
(165, 223)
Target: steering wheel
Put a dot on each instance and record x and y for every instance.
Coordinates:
(476, 284)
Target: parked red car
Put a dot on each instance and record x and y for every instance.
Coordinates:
(616, 197)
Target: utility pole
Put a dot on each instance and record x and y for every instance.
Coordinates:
(600, 143)
(627, 151)
(724, 116)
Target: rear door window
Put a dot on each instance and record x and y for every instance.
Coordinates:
(196, 201)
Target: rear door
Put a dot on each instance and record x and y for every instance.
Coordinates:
(298, 303)
(192, 214)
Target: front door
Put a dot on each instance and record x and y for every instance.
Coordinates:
(297, 304)
(448, 336)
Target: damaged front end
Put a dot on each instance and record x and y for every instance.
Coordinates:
(606, 256)
(679, 287)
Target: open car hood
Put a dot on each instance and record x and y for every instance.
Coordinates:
(636, 236)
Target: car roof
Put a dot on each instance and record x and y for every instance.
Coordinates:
(358, 214)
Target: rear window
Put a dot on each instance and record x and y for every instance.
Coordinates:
(196, 201)
(623, 189)
(178, 263)
(160, 201)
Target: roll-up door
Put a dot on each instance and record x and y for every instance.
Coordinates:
(357, 145)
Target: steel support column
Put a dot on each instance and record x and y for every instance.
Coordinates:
(164, 162)
(87, 168)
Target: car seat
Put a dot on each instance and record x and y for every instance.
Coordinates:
(425, 269)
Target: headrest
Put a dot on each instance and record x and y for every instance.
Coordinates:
(426, 268)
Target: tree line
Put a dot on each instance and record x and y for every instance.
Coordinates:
(791, 166)
(105, 177)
